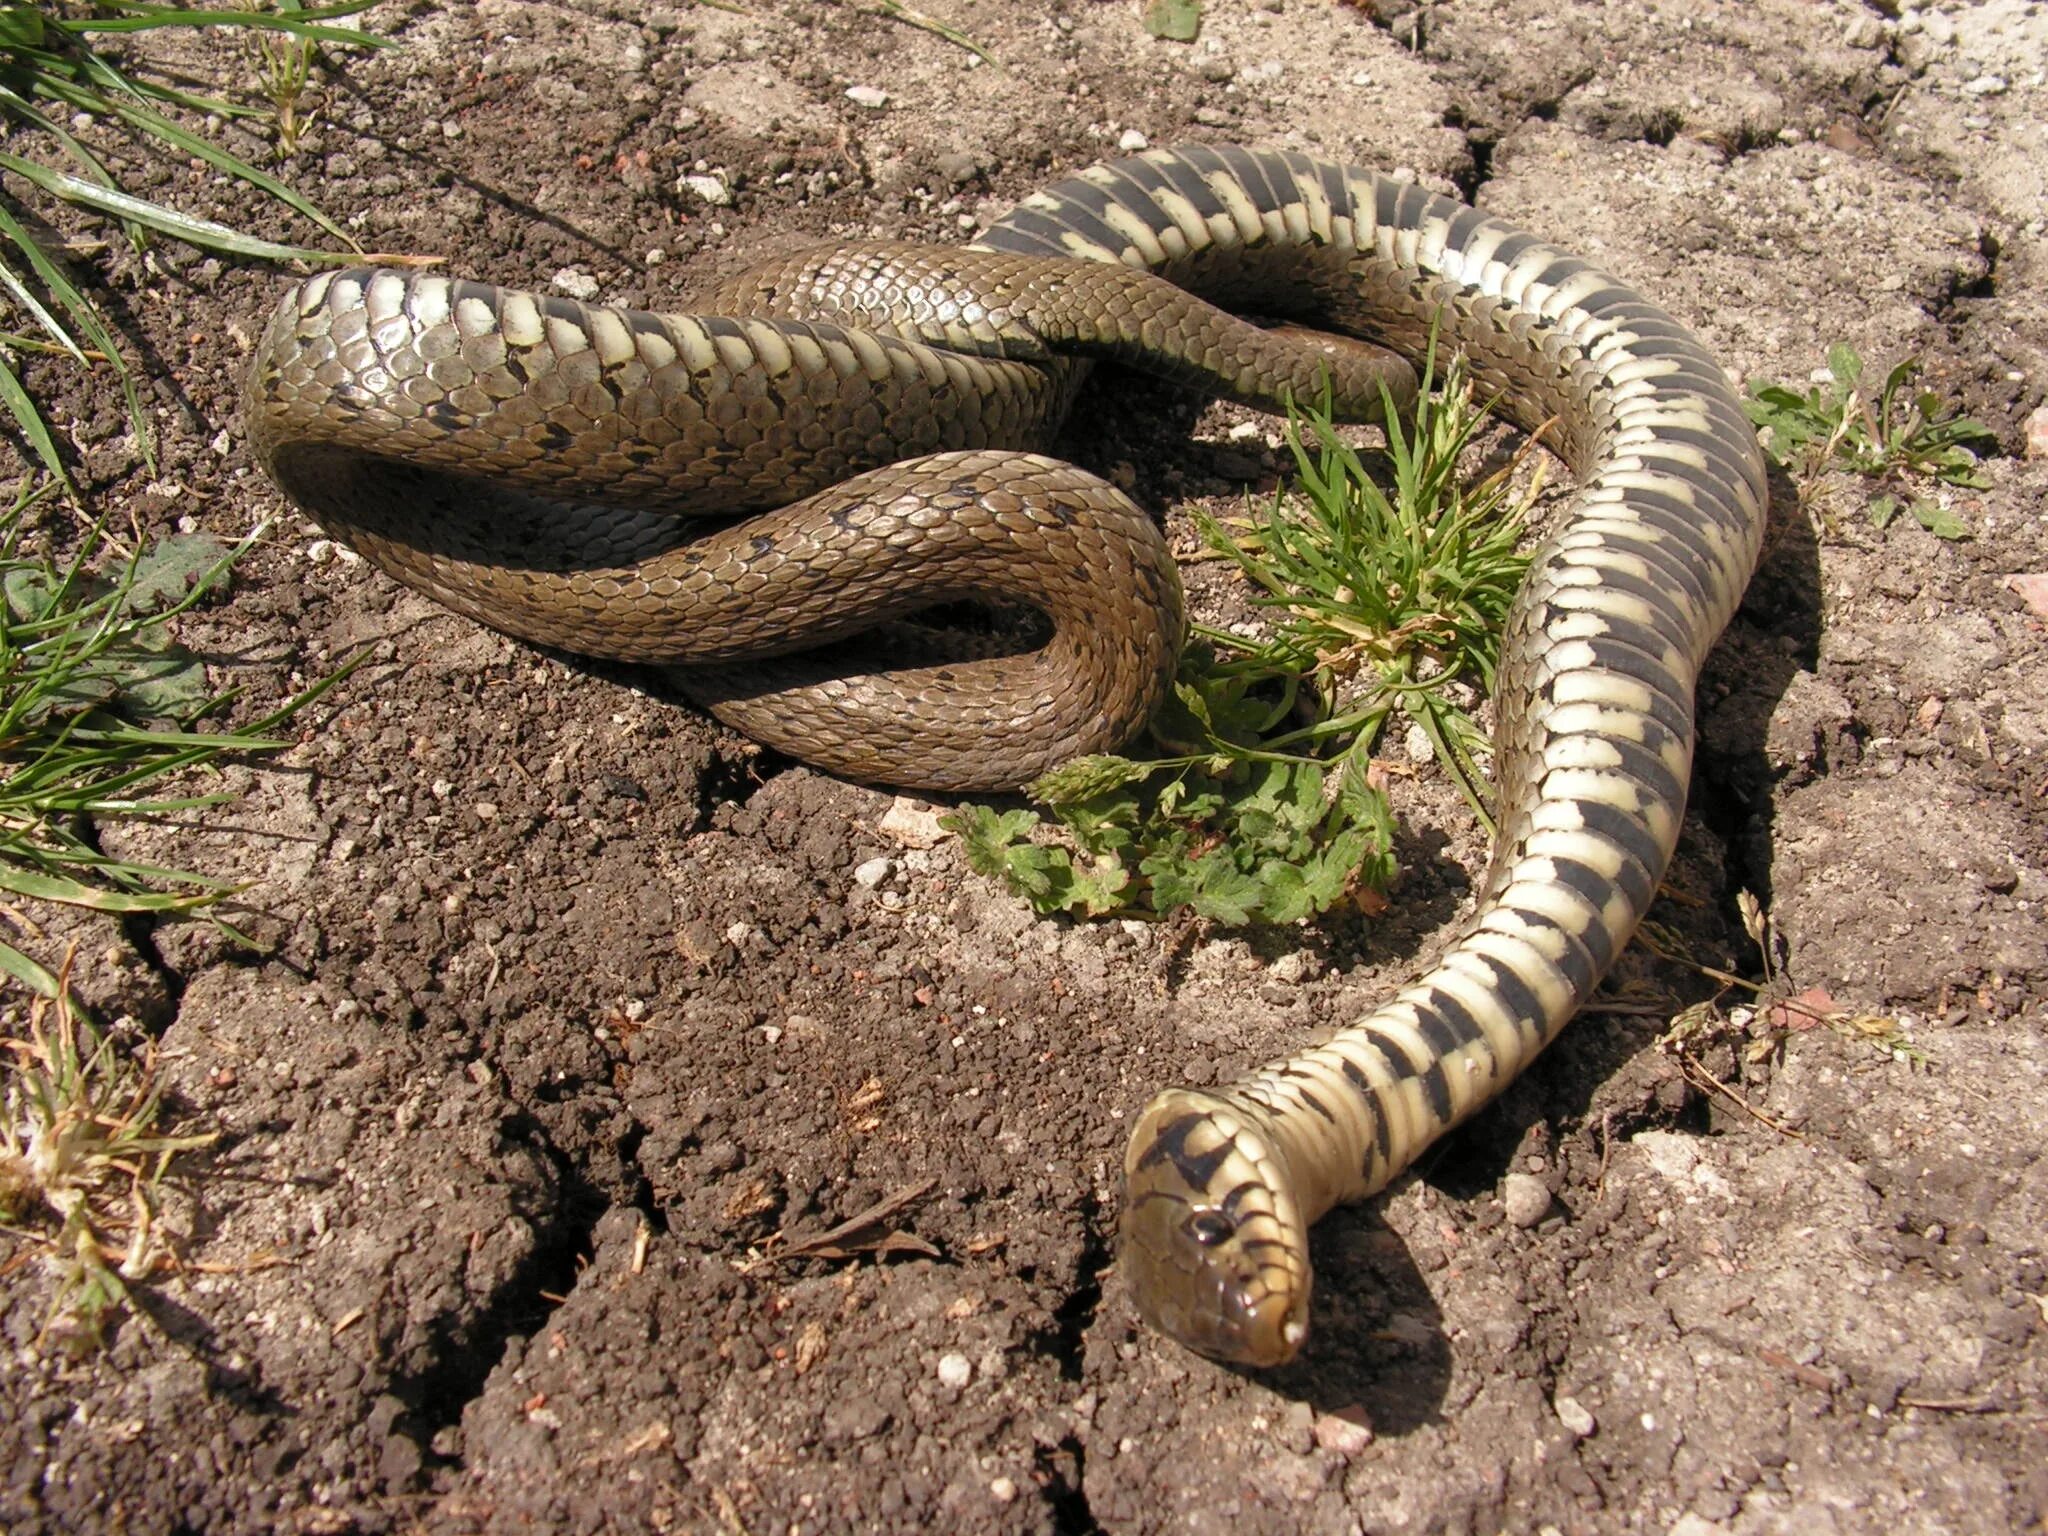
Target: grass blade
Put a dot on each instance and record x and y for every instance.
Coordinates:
(29, 422)
(74, 893)
(29, 973)
(194, 231)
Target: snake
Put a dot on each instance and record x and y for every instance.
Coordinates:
(878, 414)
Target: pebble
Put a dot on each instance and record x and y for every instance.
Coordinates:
(576, 283)
(1526, 1198)
(1344, 1432)
(1296, 1429)
(2037, 433)
(873, 872)
(1003, 1490)
(1418, 745)
(1986, 85)
(913, 823)
(1132, 141)
(871, 97)
(708, 189)
(1574, 1415)
(955, 1370)
(1864, 31)
(959, 167)
(1291, 968)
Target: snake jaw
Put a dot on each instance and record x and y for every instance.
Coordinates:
(1213, 1242)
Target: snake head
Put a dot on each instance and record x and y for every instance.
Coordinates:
(1213, 1245)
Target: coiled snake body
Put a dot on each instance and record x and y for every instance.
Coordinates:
(524, 460)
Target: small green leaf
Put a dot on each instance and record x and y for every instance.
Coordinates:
(1223, 892)
(1172, 877)
(988, 835)
(1882, 510)
(1938, 520)
(1102, 826)
(1845, 365)
(1098, 888)
(1177, 21)
(1192, 699)
(1283, 893)
(1041, 875)
(174, 566)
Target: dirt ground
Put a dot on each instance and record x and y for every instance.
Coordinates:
(569, 1000)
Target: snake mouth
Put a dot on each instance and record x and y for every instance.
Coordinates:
(1225, 1310)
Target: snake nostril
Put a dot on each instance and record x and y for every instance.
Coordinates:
(1211, 1228)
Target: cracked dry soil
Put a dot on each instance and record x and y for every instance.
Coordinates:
(569, 1000)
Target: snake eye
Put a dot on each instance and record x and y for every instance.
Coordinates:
(1211, 1228)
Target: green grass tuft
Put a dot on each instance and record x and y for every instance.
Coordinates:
(1901, 438)
(1261, 806)
(59, 90)
(82, 1157)
(98, 706)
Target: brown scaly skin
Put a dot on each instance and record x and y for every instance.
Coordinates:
(528, 461)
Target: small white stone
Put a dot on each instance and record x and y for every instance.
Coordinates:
(873, 872)
(575, 283)
(708, 189)
(867, 96)
(913, 823)
(1343, 1433)
(1132, 141)
(1672, 1155)
(1574, 1415)
(1003, 1490)
(2037, 433)
(1986, 85)
(1291, 968)
(1526, 1199)
(1418, 745)
(955, 1370)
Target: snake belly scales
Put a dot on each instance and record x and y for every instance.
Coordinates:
(526, 461)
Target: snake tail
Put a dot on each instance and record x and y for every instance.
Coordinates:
(1594, 698)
